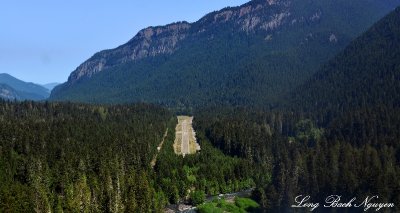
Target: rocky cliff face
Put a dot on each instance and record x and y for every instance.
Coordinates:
(153, 41)
(148, 42)
(266, 15)
(8, 93)
(246, 55)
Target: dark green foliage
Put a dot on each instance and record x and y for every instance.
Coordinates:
(77, 157)
(228, 66)
(356, 156)
(16, 198)
(240, 205)
(246, 204)
(209, 208)
(209, 172)
(306, 131)
(341, 137)
(74, 157)
(197, 197)
(366, 73)
(355, 99)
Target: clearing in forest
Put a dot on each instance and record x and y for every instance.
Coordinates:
(185, 137)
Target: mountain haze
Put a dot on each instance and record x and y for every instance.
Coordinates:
(246, 55)
(25, 90)
(50, 86)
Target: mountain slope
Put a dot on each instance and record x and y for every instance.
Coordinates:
(26, 90)
(366, 73)
(247, 55)
(8, 93)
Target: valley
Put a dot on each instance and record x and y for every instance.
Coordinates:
(242, 110)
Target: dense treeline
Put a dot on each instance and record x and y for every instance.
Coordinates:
(94, 158)
(355, 155)
(78, 158)
(340, 134)
(70, 157)
(66, 157)
(209, 172)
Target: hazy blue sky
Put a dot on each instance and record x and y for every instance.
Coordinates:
(43, 41)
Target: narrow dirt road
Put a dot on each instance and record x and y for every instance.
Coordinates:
(154, 160)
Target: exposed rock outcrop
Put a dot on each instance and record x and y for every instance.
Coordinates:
(148, 42)
(154, 41)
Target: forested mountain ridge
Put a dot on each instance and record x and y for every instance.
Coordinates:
(24, 90)
(6, 92)
(366, 73)
(9, 93)
(246, 55)
(339, 135)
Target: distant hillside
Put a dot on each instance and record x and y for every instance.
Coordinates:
(366, 73)
(25, 90)
(7, 92)
(246, 55)
(50, 86)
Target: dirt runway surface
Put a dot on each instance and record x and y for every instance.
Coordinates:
(185, 137)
